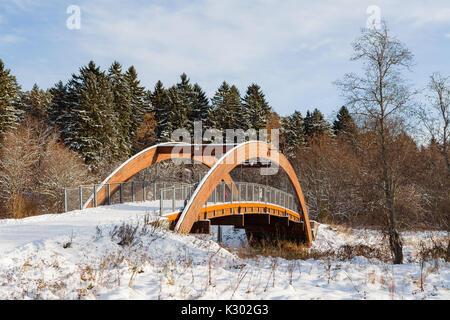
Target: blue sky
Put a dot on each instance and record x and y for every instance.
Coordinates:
(293, 49)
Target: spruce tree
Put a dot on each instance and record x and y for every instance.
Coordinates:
(226, 112)
(58, 111)
(178, 116)
(315, 124)
(92, 125)
(122, 106)
(183, 102)
(344, 124)
(200, 105)
(293, 133)
(161, 110)
(218, 112)
(35, 102)
(9, 95)
(140, 100)
(256, 108)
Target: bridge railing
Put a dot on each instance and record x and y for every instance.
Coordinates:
(252, 192)
(132, 191)
(174, 199)
(173, 196)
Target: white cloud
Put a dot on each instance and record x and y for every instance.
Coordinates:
(10, 38)
(212, 37)
(289, 43)
(294, 49)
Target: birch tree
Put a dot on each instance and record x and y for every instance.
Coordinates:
(381, 95)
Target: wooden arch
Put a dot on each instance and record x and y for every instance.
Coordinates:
(224, 166)
(145, 159)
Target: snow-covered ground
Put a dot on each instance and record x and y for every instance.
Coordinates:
(77, 255)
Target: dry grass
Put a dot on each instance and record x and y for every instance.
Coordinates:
(22, 207)
(283, 249)
(348, 252)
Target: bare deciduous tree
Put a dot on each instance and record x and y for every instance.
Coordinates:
(436, 116)
(380, 94)
(34, 169)
(436, 119)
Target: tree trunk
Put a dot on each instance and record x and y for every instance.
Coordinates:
(447, 258)
(396, 245)
(395, 241)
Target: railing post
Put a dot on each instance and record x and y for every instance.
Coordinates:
(65, 200)
(161, 201)
(224, 190)
(173, 199)
(80, 195)
(95, 195)
(231, 192)
(121, 192)
(132, 191)
(143, 191)
(109, 193)
(239, 192)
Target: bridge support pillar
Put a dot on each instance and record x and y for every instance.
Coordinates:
(201, 227)
(281, 230)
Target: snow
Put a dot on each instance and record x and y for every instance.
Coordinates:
(17, 232)
(77, 256)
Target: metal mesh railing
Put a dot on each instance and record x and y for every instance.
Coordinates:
(113, 193)
(173, 197)
(252, 192)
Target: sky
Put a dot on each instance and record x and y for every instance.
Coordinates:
(293, 49)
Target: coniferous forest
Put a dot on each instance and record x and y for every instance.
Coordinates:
(372, 165)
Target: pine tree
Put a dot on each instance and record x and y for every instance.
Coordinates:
(35, 102)
(161, 110)
(91, 126)
(140, 101)
(9, 95)
(58, 110)
(226, 111)
(200, 105)
(344, 124)
(178, 112)
(256, 108)
(218, 112)
(122, 107)
(293, 133)
(315, 124)
(184, 103)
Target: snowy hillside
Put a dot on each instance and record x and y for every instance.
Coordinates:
(91, 254)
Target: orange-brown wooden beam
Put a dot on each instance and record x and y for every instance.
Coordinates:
(146, 158)
(224, 166)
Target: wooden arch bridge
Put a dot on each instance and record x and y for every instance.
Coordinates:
(263, 216)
